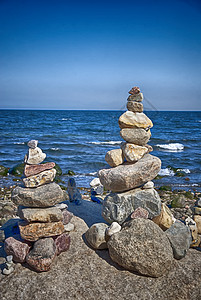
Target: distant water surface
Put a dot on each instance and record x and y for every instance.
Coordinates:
(79, 140)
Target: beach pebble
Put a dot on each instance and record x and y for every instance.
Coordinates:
(17, 248)
(9, 258)
(140, 213)
(130, 119)
(198, 202)
(148, 185)
(95, 182)
(197, 220)
(114, 228)
(8, 271)
(62, 243)
(165, 219)
(180, 239)
(114, 157)
(95, 236)
(69, 227)
(197, 210)
(61, 206)
(67, 216)
(32, 144)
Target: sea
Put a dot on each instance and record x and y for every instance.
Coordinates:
(78, 140)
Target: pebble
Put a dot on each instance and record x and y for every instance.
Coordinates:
(114, 228)
(32, 144)
(69, 227)
(95, 182)
(135, 90)
(148, 185)
(61, 206)
(8, 271)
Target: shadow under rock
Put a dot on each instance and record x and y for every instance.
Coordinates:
(89, 211)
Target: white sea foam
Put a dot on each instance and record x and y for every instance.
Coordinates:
(199, 121)
(187, 171)
(166, 172)
(66, 119)
(172, 147)
(55, 149)
(19, 143)
(107, 143)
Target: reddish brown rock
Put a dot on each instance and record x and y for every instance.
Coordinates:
(31, 170)
(34, 231)
(62, 243)
(134, 90)
(42, 255)
(140, 213)
(67, 216)
(17, 247)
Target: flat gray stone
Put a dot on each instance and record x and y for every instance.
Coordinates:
(118, 207)
(129, 176)
(43, 196)
(50, 214)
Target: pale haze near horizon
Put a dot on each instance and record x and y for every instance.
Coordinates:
(63, 55)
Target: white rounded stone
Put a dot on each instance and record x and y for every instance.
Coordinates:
(148, 185)
(114, 228)
(95, 182)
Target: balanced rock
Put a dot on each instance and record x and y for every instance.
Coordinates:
(67, 216)
(43, 196)
(137, 120)
(132, 152)
(17, 247)
(62, 243)
(114, 157)
(42, 255)
(138, 136)
(137, 97)
(35, 156)
(165, 219)
(118, 207)
(32, 144)
(40, 179)
(31, 170)
(50, 214)
(95, 236)
(141, 246)
(135, 90)
(34, 231)
(180, 239)
(135, 106)
(128, 176)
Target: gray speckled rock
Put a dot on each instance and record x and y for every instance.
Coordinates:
(135, 106)
(180, 239)
(42, 196)
(143, 247)
(138, 136)
(95, 236)
(50, 214)
(117, 207)
(128, 176)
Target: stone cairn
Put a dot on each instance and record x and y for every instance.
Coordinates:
(43, 218)
(143, 236)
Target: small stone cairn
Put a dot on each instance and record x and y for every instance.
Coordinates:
(43, 216)
(143, 236)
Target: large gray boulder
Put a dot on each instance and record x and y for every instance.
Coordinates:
(129, 176)
(43, 196)
(117, 207)
(137, 136)
(180, 239)
(143, 247)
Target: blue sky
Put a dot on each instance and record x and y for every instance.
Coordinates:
(88, 54)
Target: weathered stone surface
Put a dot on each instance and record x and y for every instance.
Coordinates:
(165, 219)
(44, 196)
(118, 207)
(35, 156)
(61, 206)
(138, 136)
(135, 106)
(134, 120)
(32, 144)
(179, 201)
(49, 214)
(132, 152)
(95, 236)
(148, 185)
(67, 216)
(40, 179)
(42, 255)
(30, 170)
(62, 243)
(149, 147)
(69, 227)
(140, 213)
(90, 275)
(197, 220)
(113, 228)
(138, 97)
(114, 157)
(34, 231)
(141, 246)
(17, 247)
(135, 90)
(180, 239)
(128, 176)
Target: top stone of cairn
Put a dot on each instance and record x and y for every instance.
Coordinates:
(135, 90)
(32, 144)
(35, 155)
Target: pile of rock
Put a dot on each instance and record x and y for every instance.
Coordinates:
(143, 236)
(43, 220)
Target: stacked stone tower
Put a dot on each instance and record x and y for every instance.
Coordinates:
(43, 219)
(133, 167)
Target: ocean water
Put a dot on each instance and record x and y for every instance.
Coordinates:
(79, 140)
